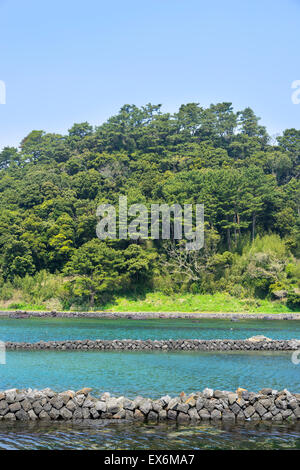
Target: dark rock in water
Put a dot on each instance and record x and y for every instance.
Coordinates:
(18, 314)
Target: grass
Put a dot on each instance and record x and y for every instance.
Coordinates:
(159, 302)
(219, 302)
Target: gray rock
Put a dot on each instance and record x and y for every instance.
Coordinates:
(79, 399)
(193, 414)
(204, 414)
(47, 407)
(120, 415)
(162, 415)
(266, 391)
(152, 416)
(10, 417)
(249, 411)
(275, 411)
(101, 406)
(112, 405)
(77, 414)
(44, 415)
(268, 416)
(94, 413)
(14, 407)
(173, 403)
(48, 392)
(157, 406)
(54, 413)
(165, 400)
(286, 413)
(26, 405)
(145, 406)
(183, 407)
(3, 411)
(37, 407)
(129, 414)
(260, 409)
(65, 413)
(235, 408)
(57, 402)
(10, 396)
(296, 412)
(22, 415)
(88, 403)
(65, 396)
(172, 415)
(266, 403)
(208, 393)
(277, 418)
(232, 398)
(281, 403)
(292, 404)
(71, 405)
(138, 415)
(216, 415)
(32, 415)
(183, 417)
(199, 403)
(219, 394)
(128, 404)
(85, 413)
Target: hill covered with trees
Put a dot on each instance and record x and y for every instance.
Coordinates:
(249, 184)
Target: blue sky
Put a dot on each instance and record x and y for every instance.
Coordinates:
(71, 61)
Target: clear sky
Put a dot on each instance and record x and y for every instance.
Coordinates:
(70, 61)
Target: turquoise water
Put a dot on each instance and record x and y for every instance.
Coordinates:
(35, 329)
(149, 373)
(125, 436)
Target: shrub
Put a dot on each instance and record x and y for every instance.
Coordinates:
(293, 300)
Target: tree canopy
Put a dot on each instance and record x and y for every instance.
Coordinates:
(52, 184)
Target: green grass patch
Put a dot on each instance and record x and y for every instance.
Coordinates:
(219, 302)
(159, 302)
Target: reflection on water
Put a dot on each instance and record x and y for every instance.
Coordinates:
(132, 436)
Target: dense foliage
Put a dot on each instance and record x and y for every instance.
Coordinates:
(51, 186)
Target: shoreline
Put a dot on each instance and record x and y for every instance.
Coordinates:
(20, 314)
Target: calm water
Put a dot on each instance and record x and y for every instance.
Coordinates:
(149, 373)
(126, 436)
(35, 329)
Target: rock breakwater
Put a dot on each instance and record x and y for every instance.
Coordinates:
(250, 344)
(214, 405)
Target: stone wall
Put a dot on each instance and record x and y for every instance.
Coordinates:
(215, 405)
(256, 343)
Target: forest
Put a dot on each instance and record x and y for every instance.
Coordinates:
(248, 181)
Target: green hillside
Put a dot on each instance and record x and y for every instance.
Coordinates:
(249, 184)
